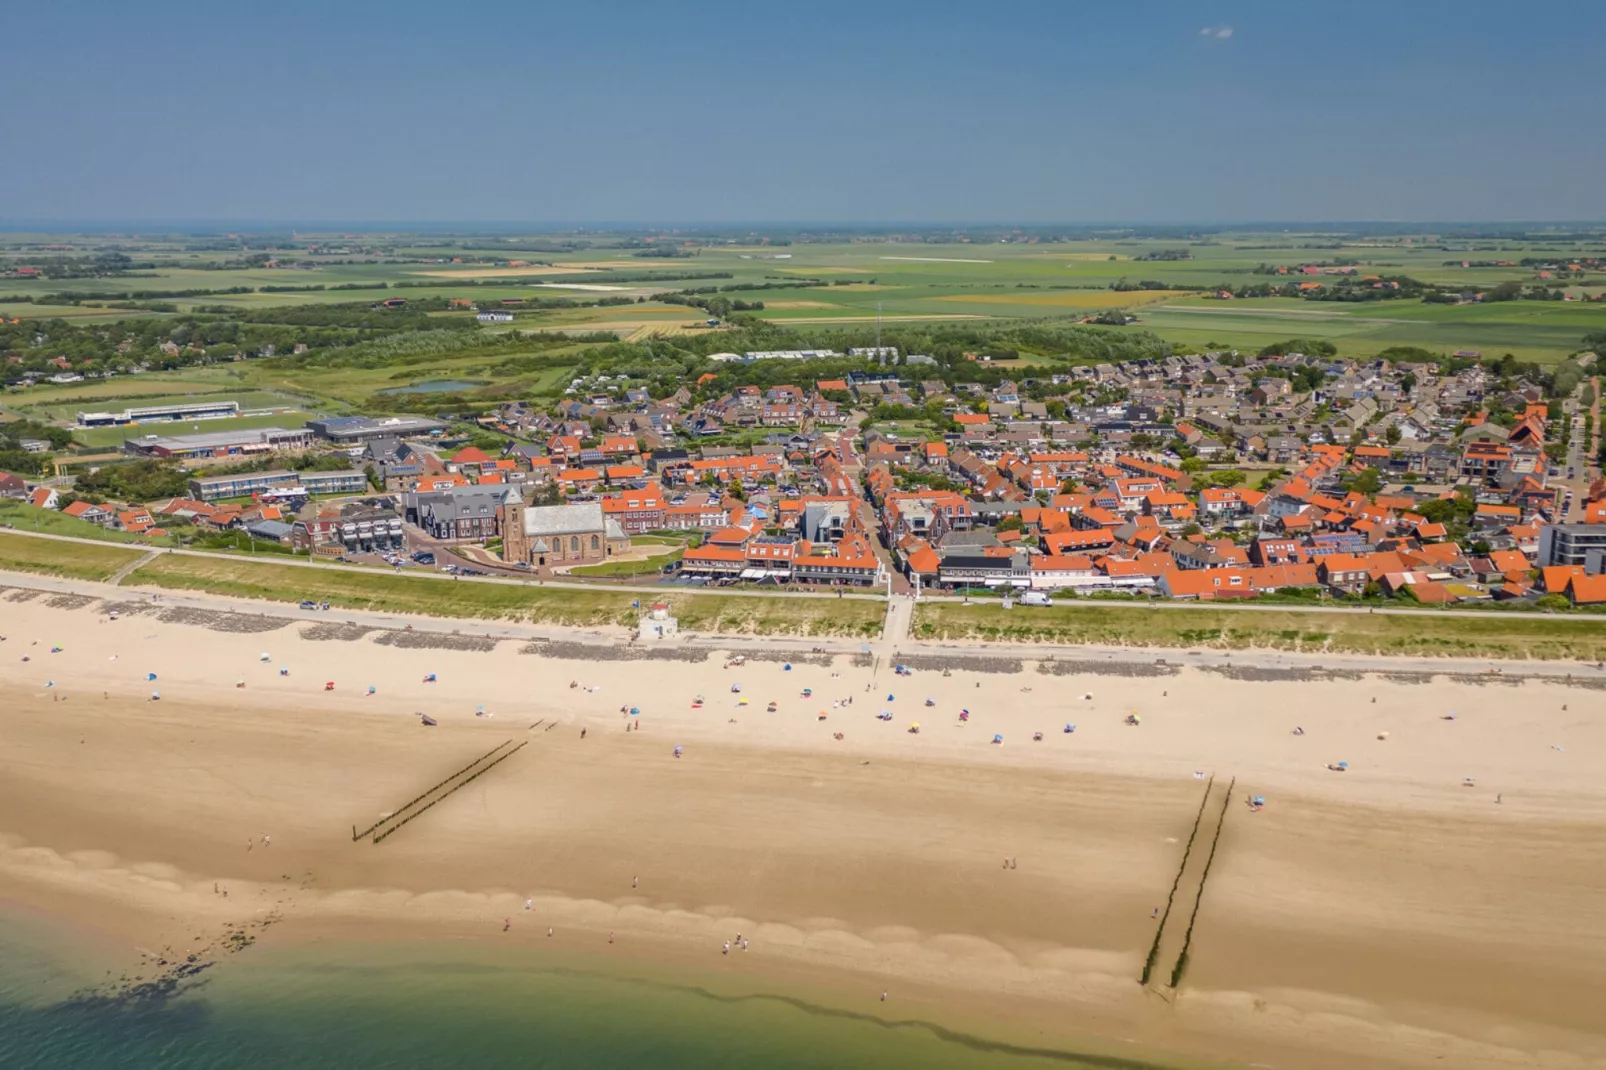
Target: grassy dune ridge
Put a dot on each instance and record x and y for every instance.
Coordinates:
(432, 596)
(1465, 635)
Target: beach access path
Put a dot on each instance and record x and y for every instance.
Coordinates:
(1118, 658)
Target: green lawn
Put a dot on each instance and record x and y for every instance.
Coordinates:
(438, 596)
(25, 517)
(651, 566)
(1355, 632)
(113, 437)
(19, 553)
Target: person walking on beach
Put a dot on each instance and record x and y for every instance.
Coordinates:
(527, 903)
(582, 733)
(507, 923)
(727, 950)
(634, 881)
(1155, 913)
(549, 931)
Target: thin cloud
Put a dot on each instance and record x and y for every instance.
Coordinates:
(1219, 32)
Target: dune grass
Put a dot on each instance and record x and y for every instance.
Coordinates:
(430, 595)
(74, 560)
(1340, 632)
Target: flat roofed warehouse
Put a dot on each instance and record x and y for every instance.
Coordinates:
(219, 443)
(351, 429)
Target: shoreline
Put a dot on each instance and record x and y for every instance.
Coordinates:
(867, 863)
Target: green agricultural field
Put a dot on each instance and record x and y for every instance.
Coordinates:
(1541, 331)
(902, 281)
(1481, 635)
(74, 560)
(439, 596)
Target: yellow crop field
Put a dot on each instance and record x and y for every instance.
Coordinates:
(499, 273)
(1066, 298)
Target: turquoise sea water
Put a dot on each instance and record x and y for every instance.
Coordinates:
(443, 1004)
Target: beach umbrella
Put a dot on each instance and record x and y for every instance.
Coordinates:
(150, 676)
(1069, 728)
(370, 689)
(156, 695)
(1343, 765)
(264, 656)
(283, 671)
(998, 739)
(787, 667)
(635, 711)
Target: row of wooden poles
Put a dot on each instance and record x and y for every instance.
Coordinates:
(412, 808)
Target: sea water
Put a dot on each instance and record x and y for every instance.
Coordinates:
(453, 1004)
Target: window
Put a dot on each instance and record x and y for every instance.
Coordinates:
(574, 544)
(594, 542)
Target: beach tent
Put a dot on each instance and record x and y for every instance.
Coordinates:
(264, 656)
(998, 739)
(787, 667)
(150, 676)
(1069, 728)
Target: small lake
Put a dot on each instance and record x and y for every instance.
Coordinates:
(439, 386)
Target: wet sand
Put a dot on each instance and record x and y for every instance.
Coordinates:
(1387, 915)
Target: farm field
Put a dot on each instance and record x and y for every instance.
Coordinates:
(1490, 634)
(431, 596)
(851, 282)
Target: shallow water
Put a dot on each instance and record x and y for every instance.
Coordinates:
(448, 1004)
(437, 386)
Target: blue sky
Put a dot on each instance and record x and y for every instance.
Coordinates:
(821, 111)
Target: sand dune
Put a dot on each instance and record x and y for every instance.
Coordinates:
(1383, 916)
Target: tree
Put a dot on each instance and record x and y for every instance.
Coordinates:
(1552, 602)
(1012, 522)
(1368, 482)
(1392, 434)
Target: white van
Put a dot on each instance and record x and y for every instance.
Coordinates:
(1035, 598)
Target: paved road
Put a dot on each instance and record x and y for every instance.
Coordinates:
(425, 575)
(669, 592)
(957, 652)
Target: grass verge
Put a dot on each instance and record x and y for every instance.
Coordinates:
(26, 517)
(75, 560)
(427, 595)
(1338, 632)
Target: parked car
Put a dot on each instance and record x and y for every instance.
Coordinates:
(309, 605)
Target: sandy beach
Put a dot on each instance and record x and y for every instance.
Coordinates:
(1437, 903)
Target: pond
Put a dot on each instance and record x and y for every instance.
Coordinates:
(438, 386)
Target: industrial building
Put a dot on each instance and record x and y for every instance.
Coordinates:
(219, 444)
(352, 430)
